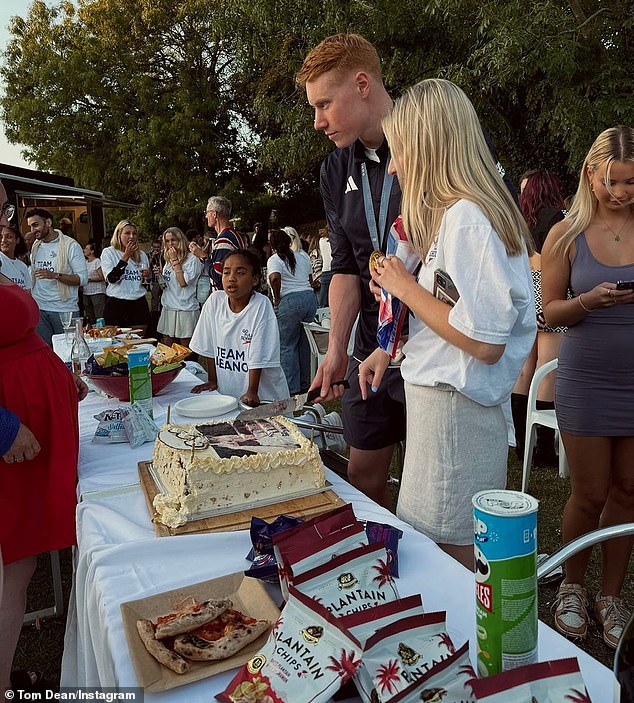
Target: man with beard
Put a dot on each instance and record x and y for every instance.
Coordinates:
(58, 269)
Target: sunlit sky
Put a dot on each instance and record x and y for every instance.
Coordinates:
(10, 153)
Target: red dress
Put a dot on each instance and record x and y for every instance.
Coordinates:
(37, 498)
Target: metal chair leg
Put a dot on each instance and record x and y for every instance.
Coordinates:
(58, 608)
(581, 543)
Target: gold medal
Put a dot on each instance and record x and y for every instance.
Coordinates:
(375, 260)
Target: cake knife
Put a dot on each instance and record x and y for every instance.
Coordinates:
(274, 407)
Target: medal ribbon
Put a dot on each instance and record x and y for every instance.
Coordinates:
(369, 206)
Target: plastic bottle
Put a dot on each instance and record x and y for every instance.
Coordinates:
(624, 665)
(79, 351)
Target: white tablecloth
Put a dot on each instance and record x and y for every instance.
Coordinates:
(118, 558)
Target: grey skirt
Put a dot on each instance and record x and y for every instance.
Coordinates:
(178, 323)
(455, 448)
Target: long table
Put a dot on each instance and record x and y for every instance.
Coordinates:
(119, 558)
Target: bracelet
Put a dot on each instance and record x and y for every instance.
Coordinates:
(582, 305)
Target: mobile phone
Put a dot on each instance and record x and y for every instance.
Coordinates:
(625, 285)
(311, 395)
(444, 288)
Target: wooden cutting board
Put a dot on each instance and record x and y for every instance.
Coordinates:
(304, 508)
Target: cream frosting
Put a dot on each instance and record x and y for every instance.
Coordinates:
(281, 461)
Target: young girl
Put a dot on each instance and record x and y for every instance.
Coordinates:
(460, 362)
(588, 253)
(181, 271)
(237, 332)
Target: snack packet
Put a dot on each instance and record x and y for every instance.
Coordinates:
(110, 429)
(392, 311)
(451, 681)
(181, 352)
(261, 554)
(138, 425)
(352, 581)
(306, 541)
(304, 556)
(306, 659)
(558, 681)
(364, 623)
(401, 652)
(163, 355)
(382, 533)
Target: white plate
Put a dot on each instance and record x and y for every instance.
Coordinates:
(206, 405)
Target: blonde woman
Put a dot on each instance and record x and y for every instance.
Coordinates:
(296, 242)
(125, 268)
(182, 269)
(588, 253)
(460, 362)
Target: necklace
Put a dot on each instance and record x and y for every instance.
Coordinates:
(617, 235)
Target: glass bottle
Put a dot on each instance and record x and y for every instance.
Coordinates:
(624, 665)
(79, 351)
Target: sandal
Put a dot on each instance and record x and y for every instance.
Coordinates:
(27, 680)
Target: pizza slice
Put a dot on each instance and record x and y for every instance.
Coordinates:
(190, 617)
(158, 650)
(221, 638)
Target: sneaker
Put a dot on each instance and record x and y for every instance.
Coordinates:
(571, 610)
(613, 616)
(334, 440)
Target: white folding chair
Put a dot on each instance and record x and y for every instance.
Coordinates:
(321, 314)
(318, 342)
(57, 609)
(546, 418)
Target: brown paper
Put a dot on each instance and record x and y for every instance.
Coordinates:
(248, 596)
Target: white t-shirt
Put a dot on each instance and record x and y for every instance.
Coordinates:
(16, 270)
(241, 341)
(130, 285)
(495, 306)
(292, 282)
(326, 253)
(46, 290)
(174, 296)
(94, 287)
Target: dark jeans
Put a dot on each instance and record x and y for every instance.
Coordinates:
(295, 308)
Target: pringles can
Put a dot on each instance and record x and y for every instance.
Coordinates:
(505, 549)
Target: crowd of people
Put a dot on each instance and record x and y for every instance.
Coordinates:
(531, 281)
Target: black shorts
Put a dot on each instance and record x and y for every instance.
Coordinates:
(126, 313)
(379, 421)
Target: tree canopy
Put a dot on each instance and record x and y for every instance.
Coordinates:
(166, 102)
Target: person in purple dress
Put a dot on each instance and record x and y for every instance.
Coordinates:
(588, 253)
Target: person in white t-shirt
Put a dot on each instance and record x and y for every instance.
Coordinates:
(237, 333)
(180, 311)
(291, 279)
(326, 266)
(13, 246)
(461, 360)
(94, 292)
(125, 268)
(58, 269)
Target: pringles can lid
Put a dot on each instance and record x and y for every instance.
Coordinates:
(505, 503)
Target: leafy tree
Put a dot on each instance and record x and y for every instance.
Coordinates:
(167, 101)
(546, 76)
(129, 97)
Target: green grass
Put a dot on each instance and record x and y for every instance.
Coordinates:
(40, 646)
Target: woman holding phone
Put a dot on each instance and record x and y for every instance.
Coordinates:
(461, 361)
(588, 253)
